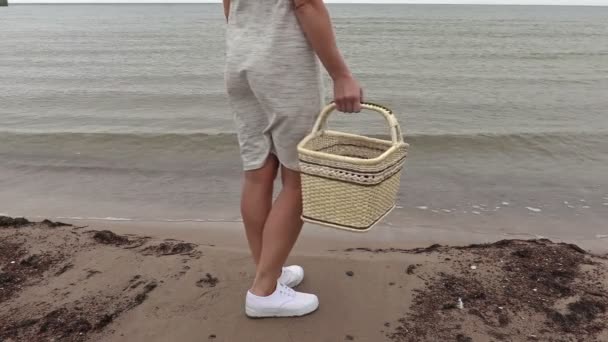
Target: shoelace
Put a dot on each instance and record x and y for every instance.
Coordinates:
(285, 290)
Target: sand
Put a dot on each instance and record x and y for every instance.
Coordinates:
(105, 283)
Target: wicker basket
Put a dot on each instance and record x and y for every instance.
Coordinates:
(350, 181)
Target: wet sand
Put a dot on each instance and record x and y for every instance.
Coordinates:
(95, 282)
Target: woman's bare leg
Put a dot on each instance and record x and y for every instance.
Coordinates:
(256, 202)
(280, 233)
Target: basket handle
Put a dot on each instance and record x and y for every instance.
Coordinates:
(396, 135)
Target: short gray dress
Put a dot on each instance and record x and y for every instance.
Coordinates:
(273, 80)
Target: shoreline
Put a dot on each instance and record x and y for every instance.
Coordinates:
(94, 282)
(413, 231)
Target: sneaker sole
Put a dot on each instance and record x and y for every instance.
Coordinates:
(252, 313)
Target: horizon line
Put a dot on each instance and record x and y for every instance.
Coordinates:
(329, 2)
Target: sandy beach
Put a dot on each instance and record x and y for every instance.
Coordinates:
(114, 119)
(94, 282)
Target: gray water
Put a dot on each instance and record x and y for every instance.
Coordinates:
(119, 111)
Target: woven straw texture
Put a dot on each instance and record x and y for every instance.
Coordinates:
(350, 181)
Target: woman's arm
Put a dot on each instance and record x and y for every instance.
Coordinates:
(316, 24)
(226, 8)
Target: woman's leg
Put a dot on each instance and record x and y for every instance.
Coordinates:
(280, 233)
(256, 202)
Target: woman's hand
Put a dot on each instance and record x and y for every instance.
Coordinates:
(348, 94)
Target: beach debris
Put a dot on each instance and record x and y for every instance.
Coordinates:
(398, 207)
(536, 210)
(523, 253)
(52, 224)
(350, 273)
(446, 210)
(64, 269)
(6, 221)
(535, 290)
(503, 295)
(349, 338)
(601, 236)
(107, 237)
(410, 269)
(207, 281)
(91, 273)
(62, 320)
(449, 306)
(473, 267)
(144, 294)
(422, 207)
(212, 337)
(505, 203)
(476, 207)
(583, 200)
(170, 248)
(476, 212)
(460, 304)
(435, 211)
(463, 338)
(31, 261)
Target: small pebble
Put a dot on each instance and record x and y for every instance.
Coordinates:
(350, 273)
(473, 267)
(349, 338)
(536, 210)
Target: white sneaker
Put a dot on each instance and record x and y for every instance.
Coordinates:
(284, 302)
(292, 276)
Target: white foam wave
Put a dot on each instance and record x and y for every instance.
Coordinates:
(109, 218)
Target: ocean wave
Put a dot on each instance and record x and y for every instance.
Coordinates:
(580, 144)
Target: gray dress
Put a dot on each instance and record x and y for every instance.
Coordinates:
(273, 80)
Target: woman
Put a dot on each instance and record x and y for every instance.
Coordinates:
(274, 83)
